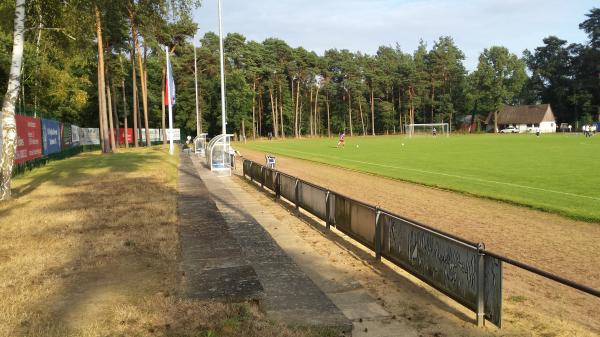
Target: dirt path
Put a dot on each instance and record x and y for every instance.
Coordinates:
(567, 247)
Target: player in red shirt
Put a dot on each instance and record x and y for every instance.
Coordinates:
(341, 139)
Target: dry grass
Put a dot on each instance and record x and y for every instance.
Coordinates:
(89, 247)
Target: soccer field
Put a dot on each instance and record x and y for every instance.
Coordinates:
(558, 173)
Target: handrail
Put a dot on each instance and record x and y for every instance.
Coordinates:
(543, 273)
(471, 244)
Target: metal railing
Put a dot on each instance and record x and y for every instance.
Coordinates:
(461, 269)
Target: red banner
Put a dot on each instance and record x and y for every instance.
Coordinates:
(29, 139)
(122, 135)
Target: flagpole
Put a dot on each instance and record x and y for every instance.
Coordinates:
(169, 102)
(198, 131)
(223, 119)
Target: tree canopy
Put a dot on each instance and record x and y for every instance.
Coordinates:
(272, 87)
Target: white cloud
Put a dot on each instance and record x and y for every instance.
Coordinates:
(364, 25)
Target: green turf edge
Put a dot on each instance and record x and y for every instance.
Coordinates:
(595, 220)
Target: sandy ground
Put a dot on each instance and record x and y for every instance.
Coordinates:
(566, 247)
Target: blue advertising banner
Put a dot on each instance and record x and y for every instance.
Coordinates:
(51, 136)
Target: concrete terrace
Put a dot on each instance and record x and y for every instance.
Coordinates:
(227, 255)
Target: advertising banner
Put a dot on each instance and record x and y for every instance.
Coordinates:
(29, 142)
(89, 136)
(176, 134)
(51, 136)
(154, 135)
(75, 135)
(67, 137)
(122, 135)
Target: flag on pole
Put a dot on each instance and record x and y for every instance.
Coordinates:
(170, 98)
(170, 89)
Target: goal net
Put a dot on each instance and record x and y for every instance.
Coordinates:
(433, 129)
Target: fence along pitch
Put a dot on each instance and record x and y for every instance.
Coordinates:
(312, 199)
(451, 267)
(492, 262)
(287, 186)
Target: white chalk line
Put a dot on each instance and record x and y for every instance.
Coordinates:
(447, 175)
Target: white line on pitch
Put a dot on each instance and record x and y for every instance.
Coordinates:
(447, 175)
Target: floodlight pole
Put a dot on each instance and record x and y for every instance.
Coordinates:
(223, 114)
(198, 131)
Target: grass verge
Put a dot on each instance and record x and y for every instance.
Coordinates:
(90, 248)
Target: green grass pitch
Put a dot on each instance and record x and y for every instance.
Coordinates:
(555, 172)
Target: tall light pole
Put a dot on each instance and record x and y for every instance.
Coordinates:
(198, 129)
(223, 118)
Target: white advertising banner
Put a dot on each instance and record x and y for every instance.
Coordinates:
(89, 136)
(154, 135)
(176, 134)
(75, 134)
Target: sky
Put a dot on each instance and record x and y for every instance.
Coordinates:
(364, 25)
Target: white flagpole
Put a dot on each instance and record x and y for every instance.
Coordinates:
(196, 86)
(223, 119)
(171, 150)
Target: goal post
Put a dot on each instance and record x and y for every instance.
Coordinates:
(431, 129)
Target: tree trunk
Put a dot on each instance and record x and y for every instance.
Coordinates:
(276, 112)
(400, 109)
(295, 111)
(328, 117)
(101, 84)
(115, 113)
(135, 98)
(317, 112)
(162, 100)
(496, 121)
(362, 122)
(432, 98)
(281, 111)
(310, 117)
(111, 129)
(273, 113)
(300, 117)
(136, 45)
(261, 111)
(254, 109)
(125, 115)
(372, 112)
(9, 124)
(350, 112)
(244, 130)
(298, 121)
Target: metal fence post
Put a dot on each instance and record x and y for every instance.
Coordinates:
(327, 211)
(296, 194)
(262, 177)
(480, 285)
(377, 235)
(277, 186)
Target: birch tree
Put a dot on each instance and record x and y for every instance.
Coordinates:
(9, 125)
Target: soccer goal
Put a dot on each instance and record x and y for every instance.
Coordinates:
(433, 129)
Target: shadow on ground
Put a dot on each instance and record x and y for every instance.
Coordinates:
(86, 237)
